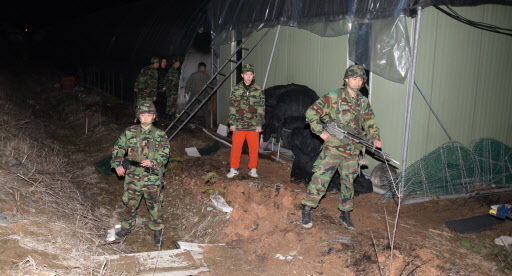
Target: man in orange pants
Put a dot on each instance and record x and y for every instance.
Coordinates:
(246, 117)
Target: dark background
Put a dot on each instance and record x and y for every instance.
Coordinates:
(101, 42)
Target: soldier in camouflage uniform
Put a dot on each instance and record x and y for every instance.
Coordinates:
(146, 84)
(144, 147)
(246, 117)
(172, 83)
(161, 99)
(351, 112)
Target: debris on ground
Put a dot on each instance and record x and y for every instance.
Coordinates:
(220, 203)
(192, 152)
(504, 240)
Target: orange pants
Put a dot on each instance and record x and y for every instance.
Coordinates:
(253, 141)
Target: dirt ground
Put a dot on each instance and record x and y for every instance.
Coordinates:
(60, 208)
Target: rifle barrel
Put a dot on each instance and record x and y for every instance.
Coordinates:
(342, 133)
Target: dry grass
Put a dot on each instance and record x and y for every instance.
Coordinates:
(38, 179)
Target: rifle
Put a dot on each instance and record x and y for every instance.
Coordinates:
(130, 163)
(339, 133)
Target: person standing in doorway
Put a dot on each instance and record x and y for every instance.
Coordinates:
(195, 83)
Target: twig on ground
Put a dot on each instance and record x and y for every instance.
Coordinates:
(376, 254)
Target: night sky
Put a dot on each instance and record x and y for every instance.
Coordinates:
(40, 14)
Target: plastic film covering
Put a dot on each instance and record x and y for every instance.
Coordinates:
(378, 36)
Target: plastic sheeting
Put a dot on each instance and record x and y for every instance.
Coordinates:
(378, 35)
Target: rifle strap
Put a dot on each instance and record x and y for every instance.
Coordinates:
(343, 92)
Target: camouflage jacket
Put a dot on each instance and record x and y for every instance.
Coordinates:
(146, 83)
(128, 144)
(172, 80)
(352, 114)
(247, 107)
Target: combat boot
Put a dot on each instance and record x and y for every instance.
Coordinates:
(159, 239)
(123, 233)
(306, 217)
(345, 219)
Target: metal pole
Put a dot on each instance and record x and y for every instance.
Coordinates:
(211, 99)
(271, 57)
(278, 149)
(433, 112)
(410, 90)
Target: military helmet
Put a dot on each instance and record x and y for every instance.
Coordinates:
(175, 59)
(247, 68)
(154, 60)
(146, 107)
(355, 71)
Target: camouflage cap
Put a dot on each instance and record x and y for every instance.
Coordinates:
(247, 68)
(146, 107)
(355, 71)
(175, 59)
(154, 60)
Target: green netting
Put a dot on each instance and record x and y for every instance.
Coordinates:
(494, 161)
(455, 169)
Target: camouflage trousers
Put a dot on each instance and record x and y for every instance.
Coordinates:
(137, 185)
(332, 159)
(172, 102)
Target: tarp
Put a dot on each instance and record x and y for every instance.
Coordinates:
(378, 31)
(378, 35)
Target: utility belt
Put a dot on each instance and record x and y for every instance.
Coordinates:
(127, 164)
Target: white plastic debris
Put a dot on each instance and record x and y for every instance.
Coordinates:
(220, 203)
(222, 130)
(111, 233)
(280, 257)
(288, 256)
(192, 152)
(503, 240)
(194, 246)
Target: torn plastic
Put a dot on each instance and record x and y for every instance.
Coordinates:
(378, 36)
(381, 46)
